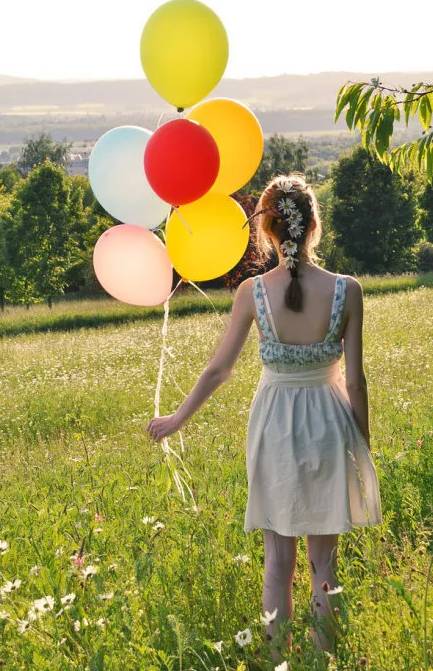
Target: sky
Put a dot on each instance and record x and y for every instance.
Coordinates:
(99, 39)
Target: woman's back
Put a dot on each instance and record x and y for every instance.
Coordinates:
(311, 325)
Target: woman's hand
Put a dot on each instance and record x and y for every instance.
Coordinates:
(159, 427)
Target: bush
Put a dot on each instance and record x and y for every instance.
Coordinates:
(424, 256)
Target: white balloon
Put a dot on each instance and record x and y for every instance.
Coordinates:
(118, 180)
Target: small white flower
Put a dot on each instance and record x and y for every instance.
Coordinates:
(4, 615)
(44, 604)
(77, 625)
(244, 637)
(158, 525)
(241, 558)
(11, 586)
(85, 622)
(101, 622)
(23, 625)
(59, 552)
(35, 570)
(285, 184)
(32, 614)
(68, 599)
(4, 546)
(336, 590)
(282, 667)
(218, 645)
(112, 567)
(268, 617)
(106, 597)
(90, 570)
(148, 520)
(98, 530)
(295, 229)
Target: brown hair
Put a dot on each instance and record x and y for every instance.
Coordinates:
(272, 228)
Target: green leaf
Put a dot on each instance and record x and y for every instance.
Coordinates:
(425, 111)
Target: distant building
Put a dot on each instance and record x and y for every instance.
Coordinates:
(79, 164)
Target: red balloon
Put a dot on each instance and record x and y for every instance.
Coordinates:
(181, 161)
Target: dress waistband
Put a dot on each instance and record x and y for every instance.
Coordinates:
(308, 377)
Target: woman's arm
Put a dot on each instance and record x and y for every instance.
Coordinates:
(356, 382)
(218, 369)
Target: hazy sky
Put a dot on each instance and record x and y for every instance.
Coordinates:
(91, 39)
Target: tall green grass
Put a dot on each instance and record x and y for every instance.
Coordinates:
(68, 313)
(79, 474)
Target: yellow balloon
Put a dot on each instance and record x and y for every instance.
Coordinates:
(239, 137)
(206, 238)
(184, 51)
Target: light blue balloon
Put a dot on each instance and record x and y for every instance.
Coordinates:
(118, 180)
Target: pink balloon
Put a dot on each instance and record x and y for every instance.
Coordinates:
(132, 265)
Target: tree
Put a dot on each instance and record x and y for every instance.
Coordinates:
(280, 156)
(373, 214)
(374, 114)
(6, 271)
(36, 150)
(42, 246)
(9, 177)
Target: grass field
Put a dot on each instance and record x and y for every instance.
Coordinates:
(91, 508)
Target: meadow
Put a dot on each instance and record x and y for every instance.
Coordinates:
(116, 554)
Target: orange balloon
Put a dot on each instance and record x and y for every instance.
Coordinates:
(132, 265)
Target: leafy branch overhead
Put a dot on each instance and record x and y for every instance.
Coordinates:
(373, 112)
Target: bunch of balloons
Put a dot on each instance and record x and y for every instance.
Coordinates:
(183, 173)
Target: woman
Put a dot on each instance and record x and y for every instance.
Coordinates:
(309, 465)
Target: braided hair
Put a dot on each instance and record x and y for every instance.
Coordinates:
(288, 212)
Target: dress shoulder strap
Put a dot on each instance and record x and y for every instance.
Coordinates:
(259, 300)
(337, 308)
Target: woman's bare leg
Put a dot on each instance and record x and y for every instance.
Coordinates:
(322, 555)
(279, 569)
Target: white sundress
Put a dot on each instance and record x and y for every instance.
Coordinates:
(309, 467)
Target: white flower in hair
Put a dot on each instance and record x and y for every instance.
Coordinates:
(285, 184)
(287, 206)
(288, 249)
(295, 229)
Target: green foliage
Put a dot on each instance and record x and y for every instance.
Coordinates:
(280, 156)
(36, 150)
(42, 244)
(424, 253)
(374, 116)
(9, 177)
(373, 213)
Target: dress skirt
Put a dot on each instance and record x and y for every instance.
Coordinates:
(309, 467)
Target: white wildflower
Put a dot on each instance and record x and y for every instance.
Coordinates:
(4, 615)
(32, 614)
(295, 229)
(67, 599)
(10, 586)
(158, 525)
(90, 570)
(218, 645)
(23, 625)
(148, 520)
(77, 625)
(59, 552)
(4, 546)
(243, 637)
(268, 617)
(282, 667)
(44, 604)
(35, 570)
(241, 558)
(106, 596)
(101, 622)
(98, 530)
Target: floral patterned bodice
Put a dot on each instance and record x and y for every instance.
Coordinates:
(283, 356)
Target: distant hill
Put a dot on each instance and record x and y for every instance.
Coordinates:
(82, 111)
(316, 91)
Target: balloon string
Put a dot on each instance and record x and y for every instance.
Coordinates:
(209, 299)
(183, 220)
